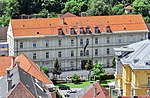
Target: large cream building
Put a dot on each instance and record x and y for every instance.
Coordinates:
(74, 39)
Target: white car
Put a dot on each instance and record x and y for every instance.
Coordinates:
(70, 92)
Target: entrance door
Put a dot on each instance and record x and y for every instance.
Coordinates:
(83, 62)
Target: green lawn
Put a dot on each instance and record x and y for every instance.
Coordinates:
(105, 82)
(84, 84)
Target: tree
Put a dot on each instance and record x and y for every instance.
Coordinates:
(45, 70)
(73, 6)
(142, 7)
(98, 70)
(89, 67)
(113, 63)
(44, 13)
(57, 69)
(12, 8)
(98, 7)
(75, 78)
(118, 9)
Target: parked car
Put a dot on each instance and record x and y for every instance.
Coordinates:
(64, 87)
(70, 92)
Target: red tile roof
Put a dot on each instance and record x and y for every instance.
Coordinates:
(32, 68)
(68, 14)
(49, 26)
(129, 7)
(20, 91)
(101, 92)
(5, 62)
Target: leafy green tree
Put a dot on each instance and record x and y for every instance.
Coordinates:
(75, 79)
(73, 6)
(4, 20)
(89, 67)
(44, 13)
(118, 9)
(98, 70)
(142, 7)
(12, 8)
(45, 70)
(2, 7)
(113, 63)
(98, 7)
(57, 69)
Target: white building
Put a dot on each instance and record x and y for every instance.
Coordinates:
(45, 39)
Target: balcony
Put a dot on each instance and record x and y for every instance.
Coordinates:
(144, 86)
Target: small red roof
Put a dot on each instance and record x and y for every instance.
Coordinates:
(129, 7)
(68, 14)
(101, 92)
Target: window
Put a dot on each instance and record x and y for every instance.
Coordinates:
(59, 54)
(148, 81)
(81, 31)
(72, 64)
(59, 42)
(87, 30)
(87, 41)
(72, 31)
(81, 53)
(47, 54)
(87, 52)
(108, 29)
(47, 43)
(34, 56)
(107, 62)
(96, 61)
(72, 42)
(119, 39)
(96, 52)
(21, 45)
(34, 44)
(97, 30)
(81, 41)
(108, 40)
(96, 40)
(108, 51)
(60, 32)
(72, 53)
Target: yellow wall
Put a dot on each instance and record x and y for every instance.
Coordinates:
(136, 79)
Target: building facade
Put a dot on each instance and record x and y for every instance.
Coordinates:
(73, 40)
(133, 69)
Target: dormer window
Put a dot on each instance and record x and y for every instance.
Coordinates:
(97, 30)
(108, 29)
(72, 31)
(81, 30)
(88, 30)
(60, 32)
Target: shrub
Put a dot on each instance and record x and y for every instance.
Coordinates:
(107, 76)
(45, 70)
(75, 79)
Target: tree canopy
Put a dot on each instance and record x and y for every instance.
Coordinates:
(53, 8)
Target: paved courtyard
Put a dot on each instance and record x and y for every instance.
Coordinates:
(81, 73)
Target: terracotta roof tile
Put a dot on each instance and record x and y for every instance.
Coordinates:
(32, 68)
(20, 91)
(5, 62)
(49, 26)
(68, 14)
(101, 92)
(129, 7)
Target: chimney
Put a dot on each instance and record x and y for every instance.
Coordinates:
(17, 63)
(8, 72)
(9, 81)
(95, 92)
(63, 21)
